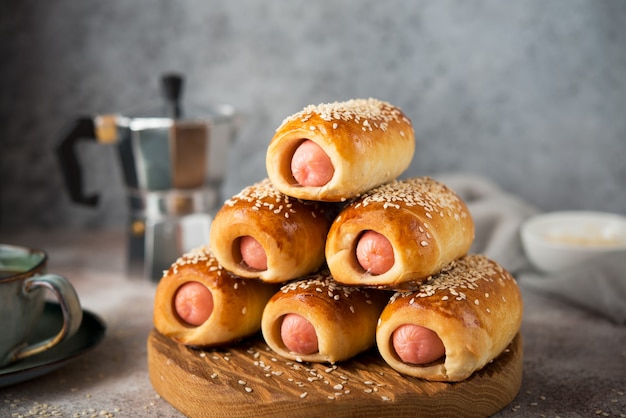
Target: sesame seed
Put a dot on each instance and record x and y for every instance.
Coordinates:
(201, 257)
(376, 114)
(423, 192)
(322, 282)
(264, 196)
(465, 273)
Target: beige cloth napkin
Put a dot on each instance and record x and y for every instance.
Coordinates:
(599, 285)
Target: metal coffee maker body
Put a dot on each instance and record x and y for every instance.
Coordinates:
(173, 161)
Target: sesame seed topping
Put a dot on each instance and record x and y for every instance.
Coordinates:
(323, 283)
(196, 256)
(465, 273)
(263, 196)
(432, 196)
(374, 113)
(202, 259)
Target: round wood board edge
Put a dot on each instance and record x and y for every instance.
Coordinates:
(248, 379)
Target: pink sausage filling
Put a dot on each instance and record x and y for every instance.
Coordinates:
(298, 335)
(193, 303)
(374, 253)
(417, 345)
(253, 253)
(311, 166)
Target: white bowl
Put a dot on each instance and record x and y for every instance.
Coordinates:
(560, 240)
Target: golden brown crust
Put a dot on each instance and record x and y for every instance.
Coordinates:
(291, 231)
(344, 317)
(475, 307)
(238, 303)
(427, 224)
(369, 142)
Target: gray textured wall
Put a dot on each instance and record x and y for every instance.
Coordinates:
(531, 94)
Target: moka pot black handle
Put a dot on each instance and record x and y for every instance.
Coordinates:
(81, 129)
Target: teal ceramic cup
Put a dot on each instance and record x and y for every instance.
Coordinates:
(24, 284)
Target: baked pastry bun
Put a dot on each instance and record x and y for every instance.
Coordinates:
(317, 320)
(264, 234)
(402, 231)
(332, 152)
(474, 309)
(199, 303)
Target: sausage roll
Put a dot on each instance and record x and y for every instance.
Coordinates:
(317, 320)
(199, 303)
(355, 145)
(264, 234)
(403, 231)
(472, 308)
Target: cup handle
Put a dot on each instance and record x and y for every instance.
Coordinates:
(70, 306)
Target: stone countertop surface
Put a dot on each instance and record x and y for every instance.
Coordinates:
(574, 360)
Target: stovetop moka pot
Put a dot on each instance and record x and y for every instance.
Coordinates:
(173, 160)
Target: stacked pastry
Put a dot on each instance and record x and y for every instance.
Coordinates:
(337, 255)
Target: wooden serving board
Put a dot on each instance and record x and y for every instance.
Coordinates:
(250, 380)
